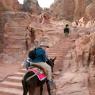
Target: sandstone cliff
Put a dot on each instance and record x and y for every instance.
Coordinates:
(73, 9)
(79, 11)
(78, 75)
(90, 11)
(31, 6)
(13, 33)
(9, 5)
(63, 9)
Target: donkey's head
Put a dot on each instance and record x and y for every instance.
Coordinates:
(51, 62)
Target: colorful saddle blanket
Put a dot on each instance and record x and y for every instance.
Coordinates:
(40, 74)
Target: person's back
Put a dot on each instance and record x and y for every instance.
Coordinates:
(66, 30)
(40, 55)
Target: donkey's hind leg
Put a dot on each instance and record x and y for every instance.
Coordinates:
(41, 89)
(32, 91)
(48, 88)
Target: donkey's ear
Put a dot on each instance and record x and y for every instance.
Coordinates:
(54, 59)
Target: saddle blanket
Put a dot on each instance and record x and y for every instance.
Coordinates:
(40, 74)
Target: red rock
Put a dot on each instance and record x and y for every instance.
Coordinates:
(12, 5)
(32, 6)
(13, 30)
(90, 11)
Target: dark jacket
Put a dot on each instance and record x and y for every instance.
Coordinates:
(66, 30)
(40, 55)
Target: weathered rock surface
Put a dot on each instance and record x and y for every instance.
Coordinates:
(31, 6)
(90, 11)
(63, 9)
(79, 11)
(13, 33)
(78, 73)
(73, 9)
(9, 5)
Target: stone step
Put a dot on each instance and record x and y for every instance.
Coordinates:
(56, 54)
(5, 93)
(15, 78)
(19, 74)
(57, 51)
(12, 84)
(10, 91)
(23, 70)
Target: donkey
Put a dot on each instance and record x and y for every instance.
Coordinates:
(31, 81)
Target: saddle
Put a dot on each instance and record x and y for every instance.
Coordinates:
(38, 71)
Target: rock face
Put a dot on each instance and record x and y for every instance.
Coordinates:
(78, 76)
(31, 6)
(9, 5)
(90, 10)
(1, 37)
(63, 9)
(88, 2)
(69, 9)
(73, 9)
(13, 32)
(79, 11)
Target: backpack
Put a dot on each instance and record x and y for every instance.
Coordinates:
(32, 54)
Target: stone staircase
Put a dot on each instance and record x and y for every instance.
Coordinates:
(12, 85)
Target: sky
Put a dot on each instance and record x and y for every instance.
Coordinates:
(42, 3)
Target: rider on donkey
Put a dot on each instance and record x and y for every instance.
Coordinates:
(40, 60)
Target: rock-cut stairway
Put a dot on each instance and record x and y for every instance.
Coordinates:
(12, 85)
